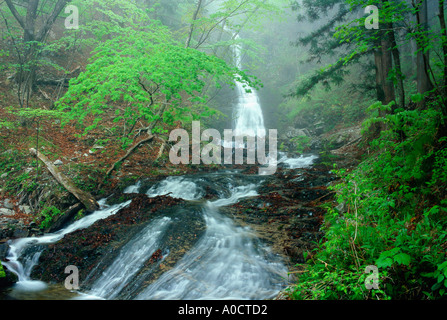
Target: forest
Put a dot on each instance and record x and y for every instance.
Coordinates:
(120, 178)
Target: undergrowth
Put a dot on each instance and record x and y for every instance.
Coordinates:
(396, 218)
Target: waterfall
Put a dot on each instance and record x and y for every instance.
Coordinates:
(248, 113)
(228, 262)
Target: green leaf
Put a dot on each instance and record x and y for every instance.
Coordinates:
(384, 262)
(402, 258)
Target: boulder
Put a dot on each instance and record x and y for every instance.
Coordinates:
(291, 132)
(6, 212)
(21, 233)
(25, 209)
(8, 204)
(343, 137)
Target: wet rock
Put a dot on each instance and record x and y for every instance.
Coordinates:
(58, 162)
(94, 248)
(342, 137)
(25, 209)
(293, 132)
(291, 222)
(6, 212)
(4, 248)
(8, 204)
(20, 233)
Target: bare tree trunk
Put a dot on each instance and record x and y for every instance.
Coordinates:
(26, 74)
(379, 78)
(444, 43)
(387, 65)
(424, 83)
(398, 66)
(112, 167)
(384, 87)
(384, 64)
(194, 18)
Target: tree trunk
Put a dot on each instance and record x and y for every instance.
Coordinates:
(26, 73)
(444, 44)
(384, 87)
(424, 83)
(387, 65)
(379, 78)
(384, 64)
(194, 18)
(84, 197)
(444, 52)
(398, 66)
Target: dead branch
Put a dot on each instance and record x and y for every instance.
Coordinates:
(84, 197)
(147, 139)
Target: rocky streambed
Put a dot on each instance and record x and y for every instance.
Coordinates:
(284, 214)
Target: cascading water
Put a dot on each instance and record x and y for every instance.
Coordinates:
(248, 113)
(227, 262)
(130, 260)
(176, 187)
(21, 264)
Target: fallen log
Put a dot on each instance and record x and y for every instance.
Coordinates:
(84, 197)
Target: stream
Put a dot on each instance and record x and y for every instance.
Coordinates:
(225, 261)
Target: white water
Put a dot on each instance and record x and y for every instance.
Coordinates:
(248, 113)
(228, 262)
(300, 162)
(131, 259)
(16, 248)
(133, 188)
(176, 187)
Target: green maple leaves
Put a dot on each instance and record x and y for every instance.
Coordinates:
(145, 69)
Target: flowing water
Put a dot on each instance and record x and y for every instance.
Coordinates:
(248, 112)
(227, 262)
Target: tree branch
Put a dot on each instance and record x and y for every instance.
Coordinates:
(84, 197)
(50, 21)
(14, 12)
(149, 138)
(194, 18)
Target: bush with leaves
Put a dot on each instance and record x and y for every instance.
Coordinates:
(143, 74)
(396, 217)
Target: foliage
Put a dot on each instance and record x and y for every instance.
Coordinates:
(301, 143)
(36, 114)
(155, 77)
(326, 282)
(330, 107)
(48, 214)
(2, 271)
(396, 217)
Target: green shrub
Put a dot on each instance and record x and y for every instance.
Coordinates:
(48, 214)
(396, 218)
